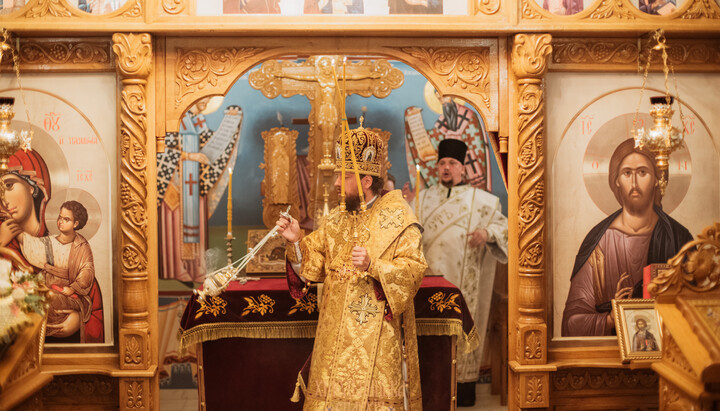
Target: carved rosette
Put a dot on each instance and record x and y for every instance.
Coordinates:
(467, 68)
(529, 64)
(702, 9)
(612, 9)
(200, 68)
(133, 57)
(594, 51)
(487, 7)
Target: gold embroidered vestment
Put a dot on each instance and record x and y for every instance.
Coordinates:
(358, 354)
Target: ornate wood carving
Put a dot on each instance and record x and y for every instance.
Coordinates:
(198, 68)
(135, 394)
(488, 6)
(466, 68)
(133, 58)
(528, 10)
(135, 10)
(689, 52)
(674, 400)
(96, 392)
(529, 64)
(279, 187)
(535, 392)
(612, 9)
(695, 267)
(594, 51)
(42, 54)
(173, 6)
(54, 8)
(673, 354)
(603, 378)
(702, 9)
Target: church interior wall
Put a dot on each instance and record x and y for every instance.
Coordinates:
(126, 366)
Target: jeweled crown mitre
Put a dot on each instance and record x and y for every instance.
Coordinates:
(368, 147)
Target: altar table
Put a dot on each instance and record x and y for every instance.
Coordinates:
(255, 339)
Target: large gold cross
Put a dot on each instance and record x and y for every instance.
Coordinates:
(363, 308)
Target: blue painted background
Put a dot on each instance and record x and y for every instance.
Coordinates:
(260, 114)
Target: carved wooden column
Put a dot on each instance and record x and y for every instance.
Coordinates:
(134, 64)
(529, 376)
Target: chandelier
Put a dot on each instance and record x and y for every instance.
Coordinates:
(662, 138)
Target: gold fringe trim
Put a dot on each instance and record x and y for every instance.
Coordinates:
(449, 326)
(270, 329)
(299, 385)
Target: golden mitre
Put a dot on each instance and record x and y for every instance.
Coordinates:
(368, 148)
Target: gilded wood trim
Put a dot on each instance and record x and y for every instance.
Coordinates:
(133, 58)
(64, 54)
(467, 68)
(41, 9)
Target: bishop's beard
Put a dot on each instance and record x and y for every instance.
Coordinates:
(352, 202)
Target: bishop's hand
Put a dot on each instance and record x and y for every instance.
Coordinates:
(360, 258)
(289, 228)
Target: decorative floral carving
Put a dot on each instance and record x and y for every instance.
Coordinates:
(533, 390)
(262, 305)
(214, 305)
(133, 350)
(533, 346)
(465, 68)
(81, 386)
(529, 64)
(198, 68)
(673, 354)
(598, 378)
(135, 10)
(702, 9)
(134, 54)
(594, 51)
(55, 8)
(696, 266)
(307, 303)
(673, 399)
(528, 10)
(612, 9)
(65, 52)
(440, 302)
(173, 6)
(529, 51)
(135, 395)
(488, 6)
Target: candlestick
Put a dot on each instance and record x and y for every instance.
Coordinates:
(417, 189)
(229, 203)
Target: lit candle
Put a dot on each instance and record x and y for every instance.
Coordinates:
(229, 204)
(417, 189)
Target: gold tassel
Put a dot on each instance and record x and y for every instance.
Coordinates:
(296, 395)
(299, 384)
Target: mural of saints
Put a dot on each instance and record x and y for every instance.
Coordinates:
(192, 176)
(454, 121)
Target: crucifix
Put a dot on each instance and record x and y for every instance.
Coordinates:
(317, 78)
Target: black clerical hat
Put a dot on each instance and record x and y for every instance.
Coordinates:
(452, 148)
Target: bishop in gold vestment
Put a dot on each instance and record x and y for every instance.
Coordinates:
(371, 264)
